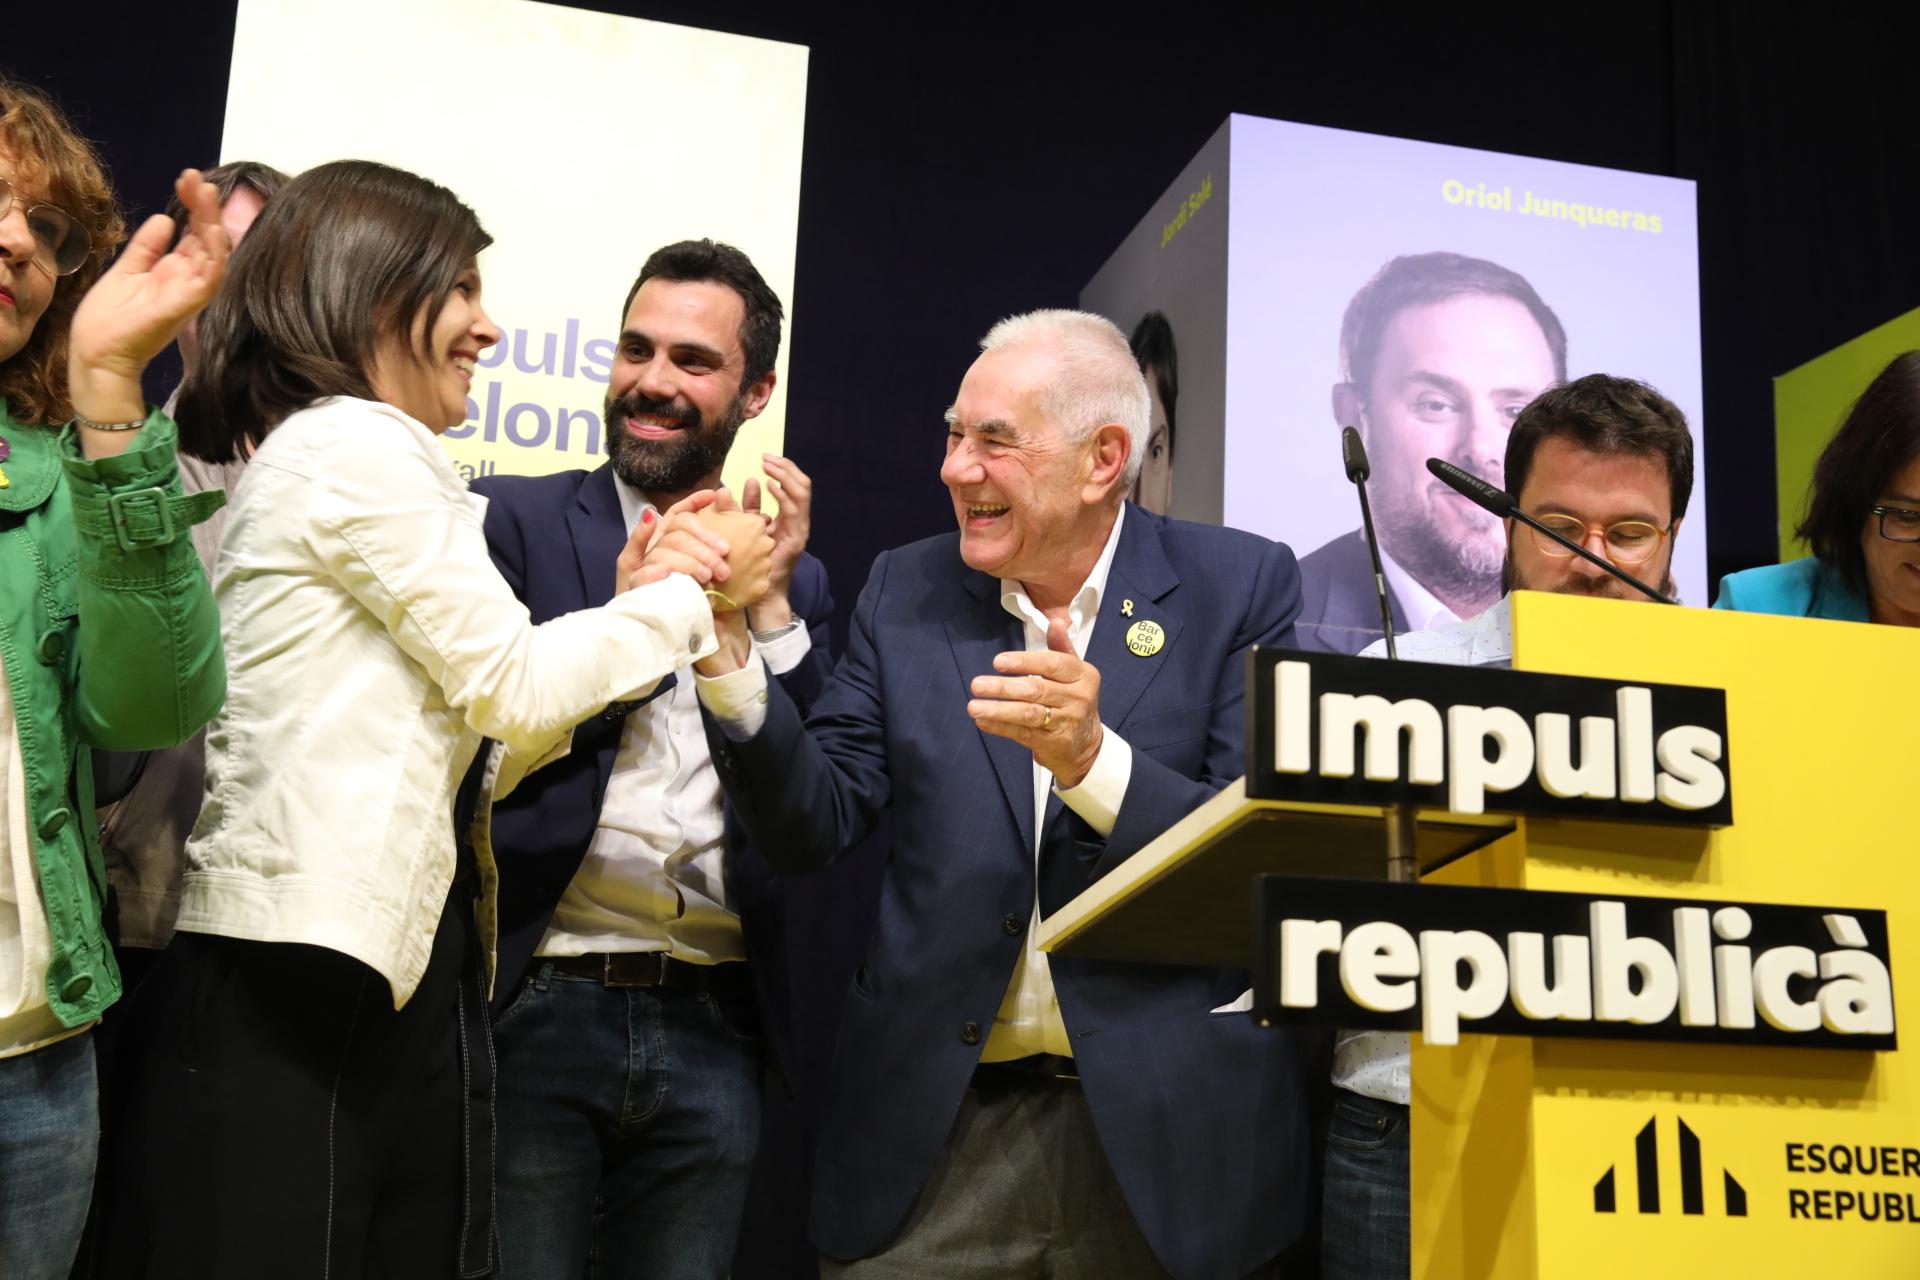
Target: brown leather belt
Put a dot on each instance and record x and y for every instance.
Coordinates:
(656, 969)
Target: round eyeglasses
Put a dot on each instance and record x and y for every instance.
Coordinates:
(1898, 524)
(1628, 542)
(60, 244)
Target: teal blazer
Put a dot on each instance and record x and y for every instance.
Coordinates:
(1803, 588)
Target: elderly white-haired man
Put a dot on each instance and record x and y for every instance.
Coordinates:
(1033, 698)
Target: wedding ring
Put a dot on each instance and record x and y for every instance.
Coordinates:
(1047, 719)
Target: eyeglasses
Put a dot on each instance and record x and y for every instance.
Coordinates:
(1629, 542)
(61, 245)
(1898, 524)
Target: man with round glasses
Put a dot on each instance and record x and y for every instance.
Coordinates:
(1608, 463)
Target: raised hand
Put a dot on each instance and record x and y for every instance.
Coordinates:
(142, 302)
(794, 491)
(1048, 702)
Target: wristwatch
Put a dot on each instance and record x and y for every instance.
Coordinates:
(762, 637)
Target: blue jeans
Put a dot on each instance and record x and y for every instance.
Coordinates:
(1364, 1232)
(49, 1137)
(628, 1122)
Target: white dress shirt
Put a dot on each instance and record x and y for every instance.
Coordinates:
(1029, 1019)
(653, 876)
(371, 644)
(1419, 606)
(1377, 1064)
(27, 1020)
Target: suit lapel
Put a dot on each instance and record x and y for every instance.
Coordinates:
(977, 635)
(1140, 574)
(598, 531)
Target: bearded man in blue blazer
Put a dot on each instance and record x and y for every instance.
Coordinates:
(1033, 698)
(635, 926)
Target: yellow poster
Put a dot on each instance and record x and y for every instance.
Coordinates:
(1572, 1157)
(584, 141)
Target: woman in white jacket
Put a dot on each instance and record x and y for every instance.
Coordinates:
(314, 1099)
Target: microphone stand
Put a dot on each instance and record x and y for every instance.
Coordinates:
(1403, 866)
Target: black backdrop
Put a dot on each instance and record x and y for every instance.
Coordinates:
(962, 164)
(966, 162)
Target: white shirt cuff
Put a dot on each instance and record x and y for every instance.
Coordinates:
(738, 700)
(678, 606)
(787, 650)
(1099, 795)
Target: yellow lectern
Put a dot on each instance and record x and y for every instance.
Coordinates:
(1573, 1157)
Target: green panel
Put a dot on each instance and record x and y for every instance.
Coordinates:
(1809, 402)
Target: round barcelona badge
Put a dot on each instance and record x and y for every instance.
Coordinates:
(1145, 638)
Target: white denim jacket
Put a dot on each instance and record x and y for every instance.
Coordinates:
(370, 645)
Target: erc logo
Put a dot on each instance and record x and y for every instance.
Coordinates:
(1646, 1151)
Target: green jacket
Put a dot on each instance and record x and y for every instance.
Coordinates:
(110, 638)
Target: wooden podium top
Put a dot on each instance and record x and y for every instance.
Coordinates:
(1187, 898)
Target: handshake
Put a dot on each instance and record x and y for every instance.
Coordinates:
(708, 537)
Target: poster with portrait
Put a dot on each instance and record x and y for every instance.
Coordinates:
(1423, 294)
(584, 141)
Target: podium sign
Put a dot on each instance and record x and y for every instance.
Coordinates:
(1725, 1094)
(1443, 959)
(1572, 1156)
(1326, 728)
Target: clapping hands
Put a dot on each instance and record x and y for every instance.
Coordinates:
(792, 488)
(142, 302)
(1048, 701)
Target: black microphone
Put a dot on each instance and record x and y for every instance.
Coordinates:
(1501, 503)
(1354, 455)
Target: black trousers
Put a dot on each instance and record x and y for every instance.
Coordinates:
(286, 1120)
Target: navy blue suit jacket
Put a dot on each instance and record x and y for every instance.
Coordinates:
(1204, 1117)
(1340, 607)
(555, 539)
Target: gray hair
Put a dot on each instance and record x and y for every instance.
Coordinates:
(1098, 382)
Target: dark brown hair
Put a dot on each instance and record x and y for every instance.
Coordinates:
(48, 152)
(1421, 279)
(263, 180)
(1880, 437)
(1605, 415)
(711, 261)
(347, 255)
(1152, 344)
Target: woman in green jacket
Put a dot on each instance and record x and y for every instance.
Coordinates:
(108, 632)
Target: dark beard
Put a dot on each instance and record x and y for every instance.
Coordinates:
(674, 465)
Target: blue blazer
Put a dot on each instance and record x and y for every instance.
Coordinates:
(1803, 588)
(1339, 606)
(1203, 1116)
(555, 539)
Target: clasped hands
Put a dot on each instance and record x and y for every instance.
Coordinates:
(1048, 701)
(706, 536)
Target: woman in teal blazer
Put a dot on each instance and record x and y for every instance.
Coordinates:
(1863, 522)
